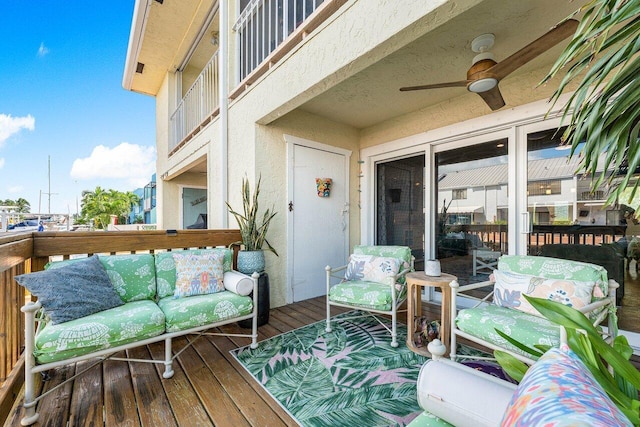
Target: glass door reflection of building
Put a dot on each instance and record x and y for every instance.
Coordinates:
(400, 205)
(194, 208)
(472, 209)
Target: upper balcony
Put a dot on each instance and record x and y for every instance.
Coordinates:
(264, 31)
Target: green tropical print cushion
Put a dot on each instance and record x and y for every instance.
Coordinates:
(191, 312)
(483, 321)
(363, 294)
(556, 268)
(426, 419)
(133, 276)
(127, 323)
(166, 267)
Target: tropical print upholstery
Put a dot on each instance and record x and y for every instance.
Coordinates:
(121, 325)
(372, 295)
(371, 268)
(426, 419)
(482, 322)
(402, 253)
(198, 310)
(133, 276)
(166, 267)
(558, 390)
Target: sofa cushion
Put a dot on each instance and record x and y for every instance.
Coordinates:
(372, 295)
(133, 275)
(483, 321)
(73, 290)
(555, 268)
(198, 274)
(166, 267)
(371, 268)
(559, 390)
(510, 287)
(198, 310)
(127, 323)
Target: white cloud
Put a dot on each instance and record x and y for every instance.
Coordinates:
(16, 189)
(42, 50)
(12, 125)
(132, 162)
(1, 162)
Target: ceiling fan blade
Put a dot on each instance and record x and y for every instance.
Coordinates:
(462, 83)
(532, 50)
(493, 98)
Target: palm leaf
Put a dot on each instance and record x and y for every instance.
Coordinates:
(309, 378)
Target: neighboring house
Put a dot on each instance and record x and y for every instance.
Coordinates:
(146, 207)
(294, 90)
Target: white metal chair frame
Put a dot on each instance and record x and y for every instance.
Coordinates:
(395, 301)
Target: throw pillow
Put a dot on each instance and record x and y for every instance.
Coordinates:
(510, 287)
(198, 274)
(75, 290)
(559, 390)
(371, 268)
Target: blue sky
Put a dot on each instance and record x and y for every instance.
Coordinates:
(61, 95)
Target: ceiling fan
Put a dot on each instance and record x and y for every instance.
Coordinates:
(485, 72)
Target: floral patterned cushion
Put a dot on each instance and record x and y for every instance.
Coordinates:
(483, 321)
(402, 253)
(198, 274)
(127, 323)
(198, 310)
(558, 390)
(556, 268)
(371, 295)
(371, 268)
(510, 287)
(133, 276)
(166, 267)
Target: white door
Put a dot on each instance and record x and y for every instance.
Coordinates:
(319, 226)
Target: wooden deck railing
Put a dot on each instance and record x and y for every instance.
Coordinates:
(28, 252)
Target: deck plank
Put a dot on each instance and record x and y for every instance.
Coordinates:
(54, 408)
(86, 402)
(119, 397)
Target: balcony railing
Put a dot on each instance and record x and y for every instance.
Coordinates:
(26, 252)
(264, 24)
(197, 107)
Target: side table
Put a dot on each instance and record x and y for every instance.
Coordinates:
(415, 282)
(264, 303)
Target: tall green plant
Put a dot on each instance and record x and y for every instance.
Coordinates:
(254, 233)
(621, 384)
(604, 110)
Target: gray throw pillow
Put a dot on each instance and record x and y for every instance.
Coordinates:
(75, 290)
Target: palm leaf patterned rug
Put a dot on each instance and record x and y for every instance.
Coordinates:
(348, 377)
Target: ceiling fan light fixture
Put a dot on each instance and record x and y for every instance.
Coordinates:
(482, 85)
(482, 56)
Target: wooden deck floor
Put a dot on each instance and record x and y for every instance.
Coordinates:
(209, 387)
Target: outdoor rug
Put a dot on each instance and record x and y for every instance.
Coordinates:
(348, 377)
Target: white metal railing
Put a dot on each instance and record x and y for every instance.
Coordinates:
(200, 101)
(264, 24)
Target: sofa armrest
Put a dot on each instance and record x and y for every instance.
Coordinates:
(481, 402)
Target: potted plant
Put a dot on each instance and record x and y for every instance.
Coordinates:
(253, 231)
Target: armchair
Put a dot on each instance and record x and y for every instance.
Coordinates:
(373, 281)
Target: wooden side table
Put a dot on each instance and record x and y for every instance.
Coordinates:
(415, 282)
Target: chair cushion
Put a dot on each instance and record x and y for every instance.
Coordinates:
(559, 390)
(510, 287)
(370, 268)
(198, 310)
(372, 295)
(481, 322)
(400, 252)
(133, 321)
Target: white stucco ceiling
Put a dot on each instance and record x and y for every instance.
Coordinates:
(443, 55)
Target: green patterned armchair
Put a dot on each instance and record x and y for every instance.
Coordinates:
(373, 281)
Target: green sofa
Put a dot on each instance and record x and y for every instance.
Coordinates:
(146, 284)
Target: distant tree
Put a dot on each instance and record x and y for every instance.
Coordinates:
(23, 206)
(100, 204)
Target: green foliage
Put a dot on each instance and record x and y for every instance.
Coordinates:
(602, 58)
(99, 205)
(609, 364)
(254, 233)
(23, 206)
